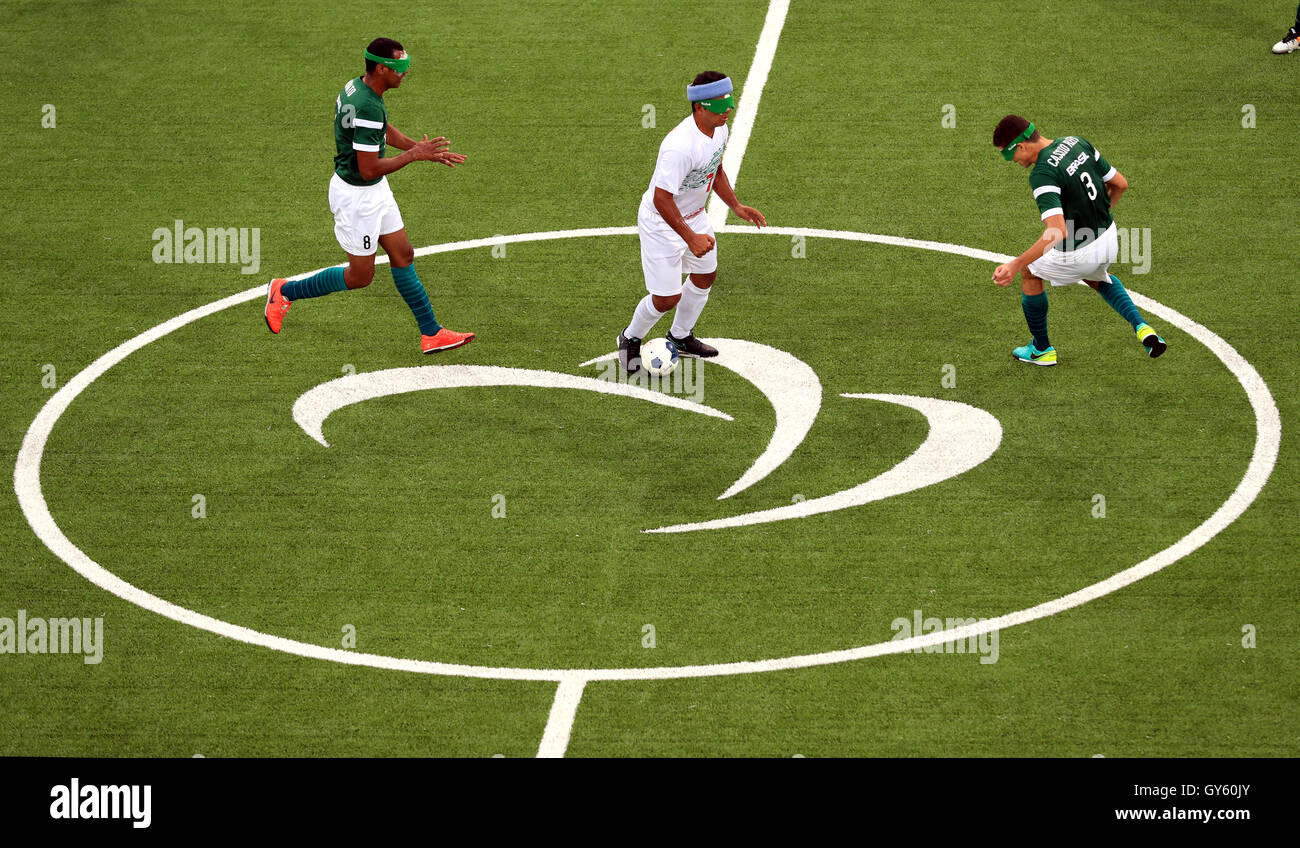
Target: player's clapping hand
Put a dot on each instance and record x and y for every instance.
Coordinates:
(436, 150)
(752, 215)
(1004, 274)
(700, 243)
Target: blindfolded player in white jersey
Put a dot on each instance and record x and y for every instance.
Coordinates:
(676, 236)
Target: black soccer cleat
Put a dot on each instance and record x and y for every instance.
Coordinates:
(1151, 340)
(629, 354)
(691, 346)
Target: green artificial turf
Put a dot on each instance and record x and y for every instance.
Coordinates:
(219, 115)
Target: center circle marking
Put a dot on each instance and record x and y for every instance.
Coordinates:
(27, 486)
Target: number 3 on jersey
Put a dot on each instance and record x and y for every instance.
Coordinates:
(1089, 184)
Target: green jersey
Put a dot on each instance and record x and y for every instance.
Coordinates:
(360, 123)
(1070, 180)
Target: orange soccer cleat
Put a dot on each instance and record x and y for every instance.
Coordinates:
(444, 339)
(276, 306)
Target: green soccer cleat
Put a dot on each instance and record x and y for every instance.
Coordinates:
(1034, 356)
(1152, 342)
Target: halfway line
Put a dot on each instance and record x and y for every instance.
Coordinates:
(555, 739)
(753, 93)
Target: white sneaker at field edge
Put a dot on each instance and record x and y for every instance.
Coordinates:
(1289, 44)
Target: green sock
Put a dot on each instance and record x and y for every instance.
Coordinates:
(321, 283)
(412, 291)
(1035, 307)
(1114, 293)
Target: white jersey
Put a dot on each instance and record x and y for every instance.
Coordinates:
(688, 162)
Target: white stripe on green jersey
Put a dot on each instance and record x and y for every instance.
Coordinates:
(1070, 180)
(360, 123)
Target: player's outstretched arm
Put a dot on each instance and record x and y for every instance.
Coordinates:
(1115, 187)
(372, 166)
(722, 186)
(1004, 274)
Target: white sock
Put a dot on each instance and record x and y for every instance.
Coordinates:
(688, 310)
(643, 319)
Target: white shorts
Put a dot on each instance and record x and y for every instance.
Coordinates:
(362, 214)
(1091, 262)
(664, 255)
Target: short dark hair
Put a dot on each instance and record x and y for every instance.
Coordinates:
(704, 78)
(386, 47)
(1010, 127)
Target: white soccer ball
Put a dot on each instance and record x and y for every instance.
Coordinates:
(659, 357)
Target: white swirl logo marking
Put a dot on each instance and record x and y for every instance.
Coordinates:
(960, 437)
(315, 405)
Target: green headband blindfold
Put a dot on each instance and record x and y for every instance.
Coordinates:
(1010, 149)
(719, 105)
(399, 65)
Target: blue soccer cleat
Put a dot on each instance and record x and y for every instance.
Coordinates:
(1034, 356)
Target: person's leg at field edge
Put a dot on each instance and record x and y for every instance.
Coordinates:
(1290, 42)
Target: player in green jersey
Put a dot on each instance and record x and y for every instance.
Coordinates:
(1075, 189)
(366, 216)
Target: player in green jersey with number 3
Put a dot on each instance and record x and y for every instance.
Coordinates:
(366, 216)
(1075, 188)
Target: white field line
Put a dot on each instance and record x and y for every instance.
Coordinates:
(27, 487)
(873, 238)
(559, 724)
(747, 109)
(470, 244)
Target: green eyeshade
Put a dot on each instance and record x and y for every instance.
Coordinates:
(1010, 149)
(719, 105)
(399, 65)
